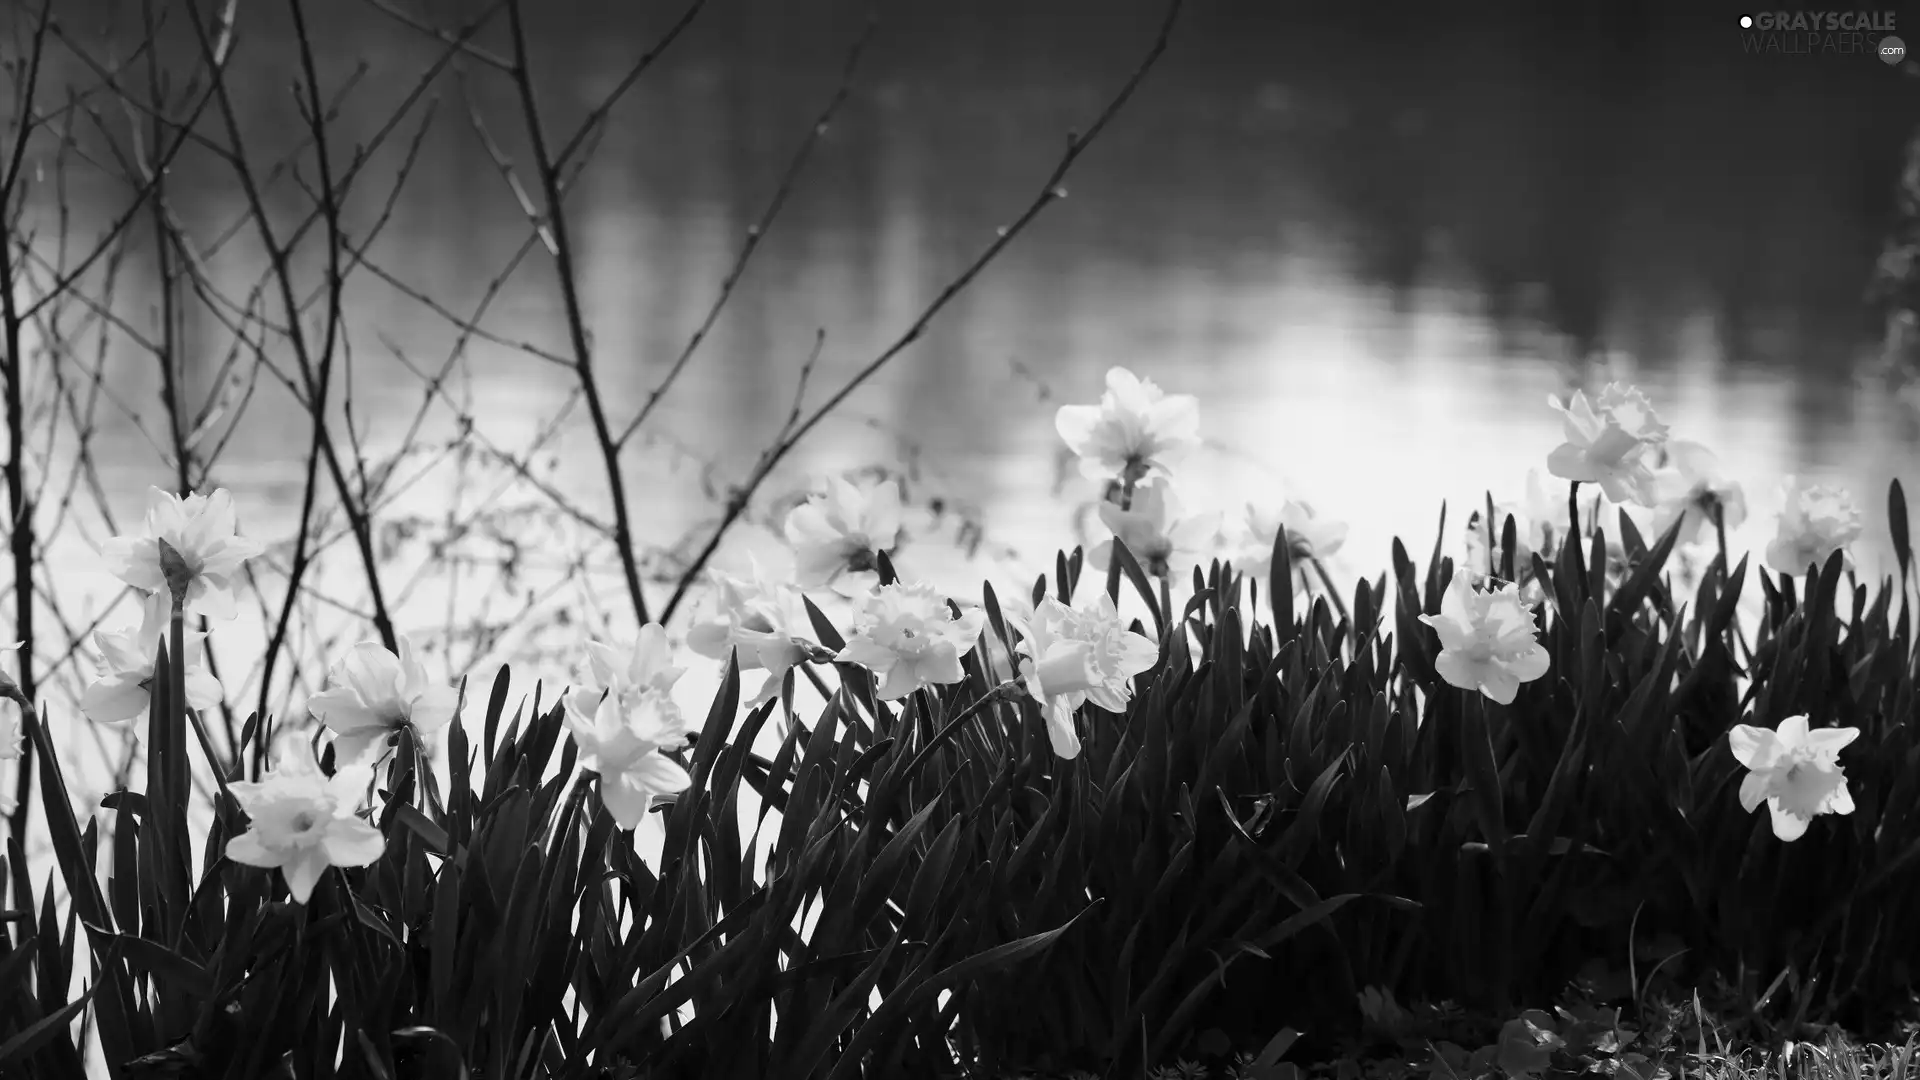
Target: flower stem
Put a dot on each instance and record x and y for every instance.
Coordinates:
(1113, 557)
(1333, 591)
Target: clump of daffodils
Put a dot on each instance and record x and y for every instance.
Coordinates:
(1073, 655)
(372, 694)
(1488, 642)
(1794, 770)
(1136, 432)
(302, 822)
(1815, 522)
(838, 534)
(1608, 442)
(911, 638)
(625, 719)
(187, 547)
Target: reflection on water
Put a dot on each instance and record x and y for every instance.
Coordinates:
(1371, 245)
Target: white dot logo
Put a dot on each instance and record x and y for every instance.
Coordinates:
(1892, 49)
(1746, 22)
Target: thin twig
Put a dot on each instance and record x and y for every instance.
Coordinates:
(758, 231)
(1050, 192)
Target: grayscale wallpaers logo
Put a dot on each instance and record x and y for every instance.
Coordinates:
(1869, 33)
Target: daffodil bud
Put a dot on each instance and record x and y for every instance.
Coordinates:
(179, 575)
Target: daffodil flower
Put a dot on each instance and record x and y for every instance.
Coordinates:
(908, 636)
(302, 822)
(371, 694)
(836, 535)
(1691, 489)
(1137, 431)
(1071, 656)
(1794, 770)
(199, 530)
(620, 737)
(762, 622)
(644, 667)
(646, 664)
(1816, 522)
(1487, 639)
(1158, 537)
(1309, 537)
(1608, 447)
(128, 657)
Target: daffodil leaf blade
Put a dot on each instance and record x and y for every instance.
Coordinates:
(823, 627)
(42, 1031)
(496, 707)
(1141, 585)
(1280, 588)
(1897, 528)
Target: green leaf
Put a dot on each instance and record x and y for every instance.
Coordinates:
(157, 961)
(422, 826)
(42, 1031)
(823, 627)
(1141, 585)
(1897, 524)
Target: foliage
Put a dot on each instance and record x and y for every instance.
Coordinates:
(1297, 794)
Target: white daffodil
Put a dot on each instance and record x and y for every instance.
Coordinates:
(1795, 770)
(1691, 489)
(644, 667)
(302, 822)
(907, 635)
(371, 694)
(1158, 537)
(647, 664)
(1608, 447)
(1071, 656)
(620, 737)
(1136, 431)
(200, 530)
(837, 534)
(1488, 640)
(1309, 537)
(762, 622)
(128, 658)
(1815, 522)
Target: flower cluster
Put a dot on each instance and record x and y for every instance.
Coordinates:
(912, 638)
